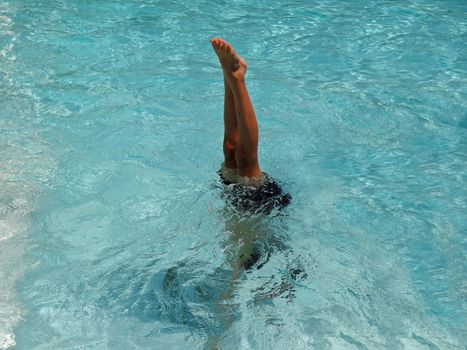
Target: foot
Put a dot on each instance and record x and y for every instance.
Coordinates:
(233, 65)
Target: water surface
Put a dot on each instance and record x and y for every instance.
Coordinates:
(113, 231)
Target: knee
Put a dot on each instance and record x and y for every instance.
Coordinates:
(230, 148)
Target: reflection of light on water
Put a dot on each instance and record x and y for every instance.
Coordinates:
(12, 204)
(5, 30)
(23, 160)
(147, 259)
(17, 198)
(11, 226)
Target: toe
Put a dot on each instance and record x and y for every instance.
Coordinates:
(215, 44)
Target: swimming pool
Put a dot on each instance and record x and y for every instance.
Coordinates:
(113, 230)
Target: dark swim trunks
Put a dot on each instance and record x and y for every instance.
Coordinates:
(261, 199)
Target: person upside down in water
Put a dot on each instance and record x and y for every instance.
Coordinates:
(247, 187)
(252, 189)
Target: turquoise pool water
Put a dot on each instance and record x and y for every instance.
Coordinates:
(113, 231)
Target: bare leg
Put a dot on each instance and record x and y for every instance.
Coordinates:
(231, 136)
(234, 68)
